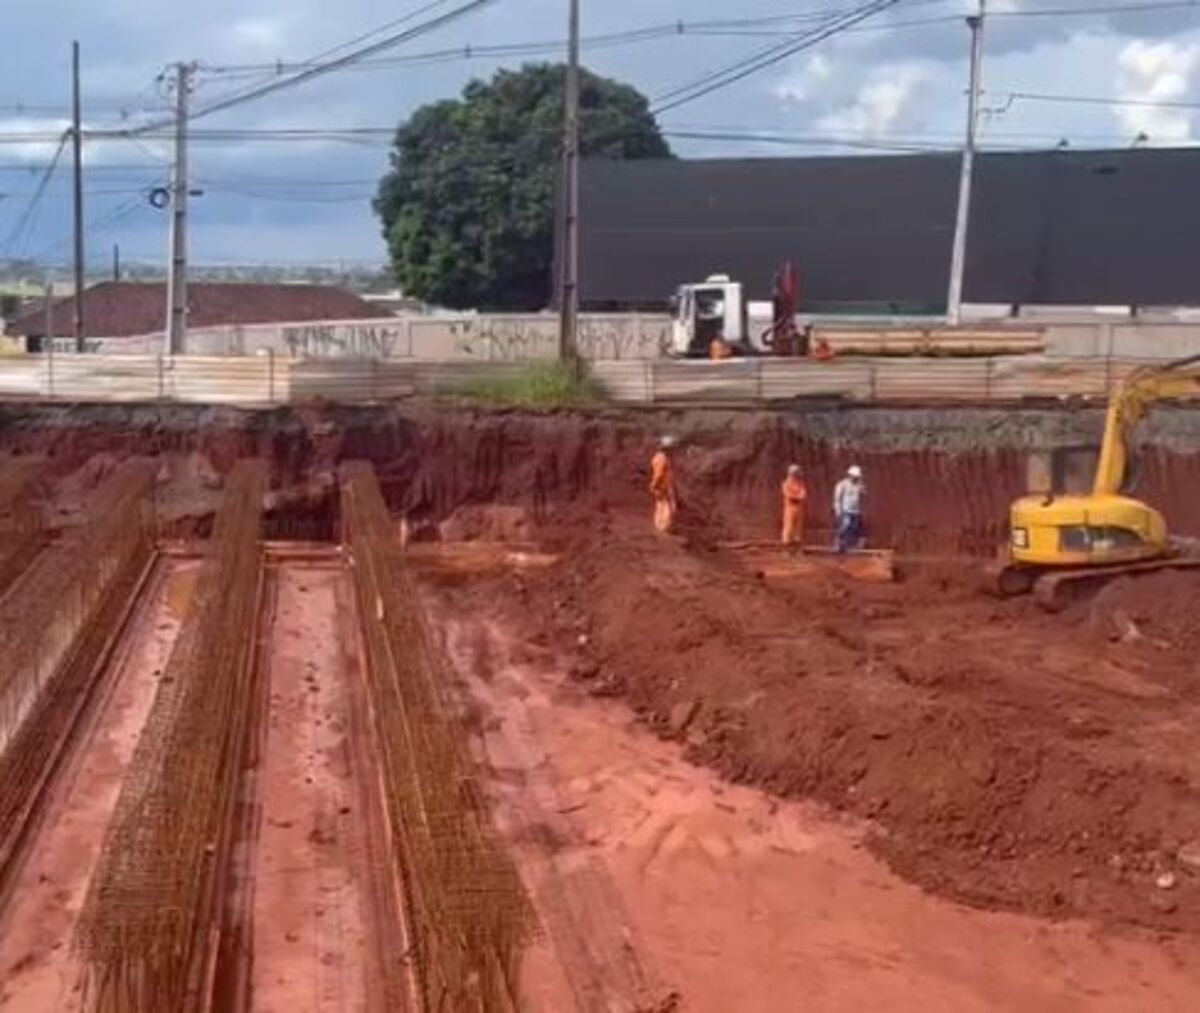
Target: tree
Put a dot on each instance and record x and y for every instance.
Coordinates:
(468, 208)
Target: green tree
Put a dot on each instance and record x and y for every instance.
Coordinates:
(468, 208)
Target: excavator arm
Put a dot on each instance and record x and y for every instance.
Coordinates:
(1180, 378)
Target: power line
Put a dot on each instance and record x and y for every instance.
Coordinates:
(1063, 12)
(470, 51)
(717, 80)
(957, 19)
(100, 224)
(31, 207)
(32, 167)
(650, 32)
(100, 192)
(809, 140)
(260, 91)
(708, 28)
(1098, 100)
(388, 26)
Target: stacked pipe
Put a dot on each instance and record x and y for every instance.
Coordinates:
(54, 631)
(466, 913)
(147, 928)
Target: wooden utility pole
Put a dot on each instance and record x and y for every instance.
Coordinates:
(48, 296)
(77, 138)
(958, 256)
(177, 277)
(568, 293)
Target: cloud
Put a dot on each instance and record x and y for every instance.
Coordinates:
(887, 102)
(1156, 72)
(262, 35)
(37, 151)
(908, 81)
(800, 86)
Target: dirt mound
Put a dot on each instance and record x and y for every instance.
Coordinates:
(1004, 759)
(488, 523)
(1163, 608)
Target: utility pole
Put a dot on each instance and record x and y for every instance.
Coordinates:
(177, 276)
(116, 261)
(958, 256)
(568, 293)
(77, 138)
(48, 295)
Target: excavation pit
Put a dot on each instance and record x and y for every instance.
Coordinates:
(713, 788)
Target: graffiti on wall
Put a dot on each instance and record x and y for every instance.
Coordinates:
(368, 340)
(609, 337)
(624, 337)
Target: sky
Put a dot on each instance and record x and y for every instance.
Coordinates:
(894, 82)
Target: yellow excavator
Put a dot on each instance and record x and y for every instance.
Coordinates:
(1064, 546)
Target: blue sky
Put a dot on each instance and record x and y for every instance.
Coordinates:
(897, 82)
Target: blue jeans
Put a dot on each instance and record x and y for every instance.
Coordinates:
(849, 532)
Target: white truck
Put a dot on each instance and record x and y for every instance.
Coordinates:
(718, 308)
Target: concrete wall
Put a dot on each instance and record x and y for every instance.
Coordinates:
(1131, 339)
(466, 337)
(625, 336)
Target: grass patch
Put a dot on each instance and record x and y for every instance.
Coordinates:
(536, 385)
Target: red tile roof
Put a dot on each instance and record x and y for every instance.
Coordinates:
(126, 309)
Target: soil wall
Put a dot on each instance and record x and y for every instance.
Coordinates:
(939, 480)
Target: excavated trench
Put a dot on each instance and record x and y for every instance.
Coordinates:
(842, 740)
(940, 480)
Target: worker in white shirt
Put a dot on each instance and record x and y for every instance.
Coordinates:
(848, 499)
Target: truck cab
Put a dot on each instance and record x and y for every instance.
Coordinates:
(715, 308)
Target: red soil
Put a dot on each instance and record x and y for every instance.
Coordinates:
(661, 888)
(1006, 758)
(311, 917)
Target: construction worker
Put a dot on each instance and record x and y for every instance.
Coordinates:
(794, 496)
(848, 498)
(822, 351)
(662, 487)
(719, 348)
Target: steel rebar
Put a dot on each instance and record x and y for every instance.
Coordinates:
(466, 911)
(145, 932)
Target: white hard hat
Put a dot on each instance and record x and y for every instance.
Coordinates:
(793, 469)
(666, 442)
(855, 471)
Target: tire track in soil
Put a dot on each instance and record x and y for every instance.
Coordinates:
(745, 902)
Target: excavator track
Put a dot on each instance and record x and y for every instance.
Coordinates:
(1058, 590)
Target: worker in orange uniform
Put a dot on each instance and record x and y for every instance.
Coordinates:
(719, 348)
(795, 496)
(662, 487)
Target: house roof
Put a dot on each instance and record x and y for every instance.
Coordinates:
(1051, 227)
(126, 309)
